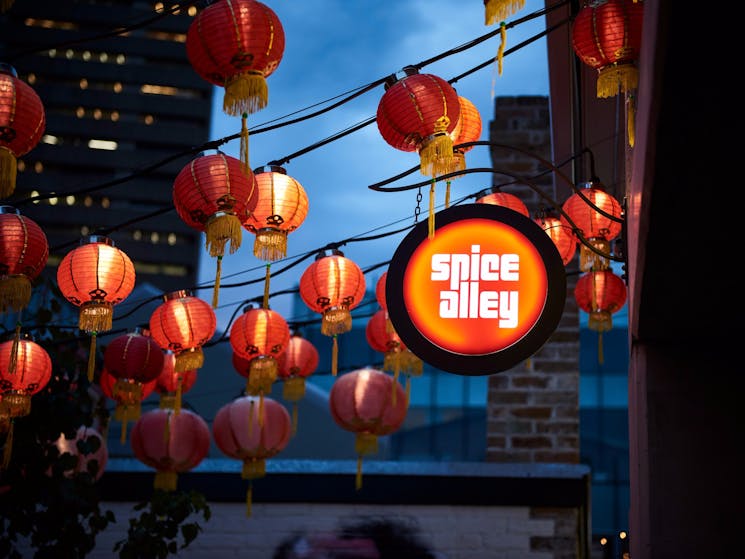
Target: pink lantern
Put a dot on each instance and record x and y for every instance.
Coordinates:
(93, 462)
(240, 433)
(171, 443)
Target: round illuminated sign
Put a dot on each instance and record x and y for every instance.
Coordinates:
(483, 294)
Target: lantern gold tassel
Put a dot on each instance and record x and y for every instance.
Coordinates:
(447, 194)
(358, 475)
(245, 93)
(249, 498)
(500, 50)
(216, 288)
(261, 408)
(245, 160)
(96, 316)
(8, 448)
(631, 119)
(250, 420)
(167, 481)
(8, 171)
(334, 356)
(436, 153)
(498, 10)
(14, 349)
(619, 77)
(364, 443)
(177, 399)
(92, 356)
(267, 278)
(431, 215)
(167, 430)
(15, 292)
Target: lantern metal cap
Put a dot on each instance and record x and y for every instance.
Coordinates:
(8, 69)
(9, 210)
(180, 294)
(91, 239)
(270, 169)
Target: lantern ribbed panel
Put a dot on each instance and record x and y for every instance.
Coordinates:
(282, 203)
(300, 358)
(380, 291)
(22, 119)
(211, 184)
(108, 383)
(96, 272)
(379, 336)
(134, 356)
(561, 235)
(24, 252)
(101, 456)
(259, 332)
(332, 281)
(411, 108)
(183, 323)
(240, 433)
(362, 401)
(606, 36)
(468, 128)
(600, 290)
(170, 442)
(589, 221)
(505, 199)
(33, 369)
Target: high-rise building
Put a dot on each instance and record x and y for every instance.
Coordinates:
(124, 113)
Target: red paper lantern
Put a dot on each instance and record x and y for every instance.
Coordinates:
(24, 251)
(333, 285)
(215, 195)
(172, 384)
(25, 369)
(281, 208)
(22, 124)
(380, 292)
(597, 228)
(468, 129)
(600, 293)
(183, 323)
(299, 361)
(236, 44)
(94, 461)
(496, 11)
(128, 399)
(240, 432)
(561, 235)
(607, 36)
(172, 443)
(362, 402)
(504, 199)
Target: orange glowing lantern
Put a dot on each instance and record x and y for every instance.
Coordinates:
(600, 293)
(22, 123)
(95, 276)
(333, 285)
(496, 11)
(597, 216)
(240, 432)
(128, 399)
(23, 254)
(504, 199)
(259, 337)
(172, 384)
(183, 323)
(215, 195)
(172, 443)
(361, 401)
(419, 112)
(299, 361)
(561, 235)
(468, 129)
(89, 448)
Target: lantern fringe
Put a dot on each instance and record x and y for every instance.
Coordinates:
(358, 475)
(249, 499)
(334, 357)
(219, 230)
(8, 172)
(431, 215)
(336, 320)
(189, 360)
(8, 448)
(167, 481)
(600, 321)
(498, 10)
(436, 154)
(262, 372)
(500, 50)
(631, 120)
(96, 316)
(92, 357)
(364, 443)
(245, 160)
(293, 389)
(245, 93)
(458, 163)
(13, 363)
(216, 288)
(15, 293)
(267, 279)
(589, 260)
(270, 244)
(253, 468)
(617, 78)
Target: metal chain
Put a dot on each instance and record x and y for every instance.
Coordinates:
(418, 208)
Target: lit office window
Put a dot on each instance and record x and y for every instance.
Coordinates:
(107, 145)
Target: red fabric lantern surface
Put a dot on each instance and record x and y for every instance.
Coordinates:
(600, 293)
(300, 360)
(215, 194)
(281, 208)
(380, 291)
(172, 384)
(183, 323)
(237, 44)
(91, 461)
(607, 35)
(171, 443)
(128, 399)
(468, 129)
(496, 11)
(504, 199)
(22, 124)
(240, 432)
(361, 402)
(24, 252)
(259, 337)
(333, 285)
(597, 229)
(561, 235)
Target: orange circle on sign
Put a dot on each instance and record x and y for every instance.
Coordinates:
(476, 288)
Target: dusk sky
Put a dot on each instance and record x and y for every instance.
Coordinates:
(332, 48)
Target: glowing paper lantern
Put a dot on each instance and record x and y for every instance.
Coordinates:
(361, 401)
(172, 443)
(95, 276)
(183, 323)
(600, 293)
(128, 398)
(23, 254)
(172, 384)
(468, 129)
(504, 199)
(22, 123)
(240, 432)
(561, 235)
(215, 195)
(333, 285)
(299, 361)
